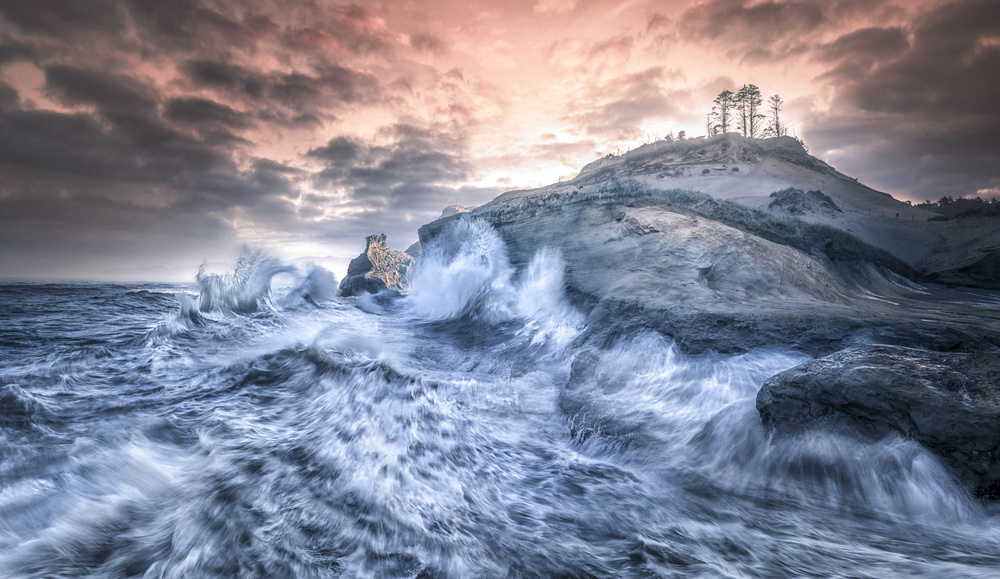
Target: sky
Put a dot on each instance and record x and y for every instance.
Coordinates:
(141, 137)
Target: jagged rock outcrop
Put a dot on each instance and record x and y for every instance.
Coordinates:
(793, 201)
(377, 269)
(949, 402)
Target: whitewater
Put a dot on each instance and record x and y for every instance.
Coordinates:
(254, 424)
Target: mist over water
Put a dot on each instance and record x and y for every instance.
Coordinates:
(255, 425)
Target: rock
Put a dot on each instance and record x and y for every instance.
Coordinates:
(377, 269)
(948, 402)
(414, 250)
(773, 165)
(639, 259)
(984, 273)
(455, 210)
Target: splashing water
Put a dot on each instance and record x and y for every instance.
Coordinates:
(465, 431)
(245, 290)
(464, 272)
(315, 287)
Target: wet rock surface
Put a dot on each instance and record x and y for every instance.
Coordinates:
(377, 269)
(949, 402)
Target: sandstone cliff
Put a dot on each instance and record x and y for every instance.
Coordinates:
(377, 269)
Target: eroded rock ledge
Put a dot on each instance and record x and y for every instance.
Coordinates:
(948, 402)
(377, 269)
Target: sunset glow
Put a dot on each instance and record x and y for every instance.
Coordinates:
(137, 133)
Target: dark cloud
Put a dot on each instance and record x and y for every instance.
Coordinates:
(197, 111)
(951, 67)
(110, 93)
(14, 51)
(62, 143)
(930, 106)
(873, 43)
(752, 31)
(79, 155)
(309, 96)
(63, 18)
(130, 163)
(340, 152)
(393, 187)
(418, 167)
(910, 158)
(185, 23)
(8, 96)
(754, 22)
(158, 108)
(223, 75)
(155, 28)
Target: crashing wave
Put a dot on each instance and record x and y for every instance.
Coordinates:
(248, 290)
(466, 273)
(315, 287)
(463, 272)
(245, 290)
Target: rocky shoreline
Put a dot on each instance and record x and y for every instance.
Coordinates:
(948, 402)
(891, 357)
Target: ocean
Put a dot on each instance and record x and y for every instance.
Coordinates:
(255, 425)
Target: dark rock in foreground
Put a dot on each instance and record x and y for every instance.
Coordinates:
(949, 402)
(984, 273)
(379, 268)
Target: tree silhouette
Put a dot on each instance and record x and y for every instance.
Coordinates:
(741, 110)
(748, 103)
(776, 128)
(722, 111)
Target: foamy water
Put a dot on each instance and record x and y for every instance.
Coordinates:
(236, 428)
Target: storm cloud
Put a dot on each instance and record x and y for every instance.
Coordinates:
(136, 132)
(927, 109)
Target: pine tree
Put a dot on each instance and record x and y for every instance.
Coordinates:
(748, 104)
(741, 110)
(722, 111)
(776, 128)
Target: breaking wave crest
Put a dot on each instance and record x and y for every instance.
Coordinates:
(313, 288)
(466, 273)
(246, 290)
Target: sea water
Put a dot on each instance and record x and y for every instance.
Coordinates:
(255, 425)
